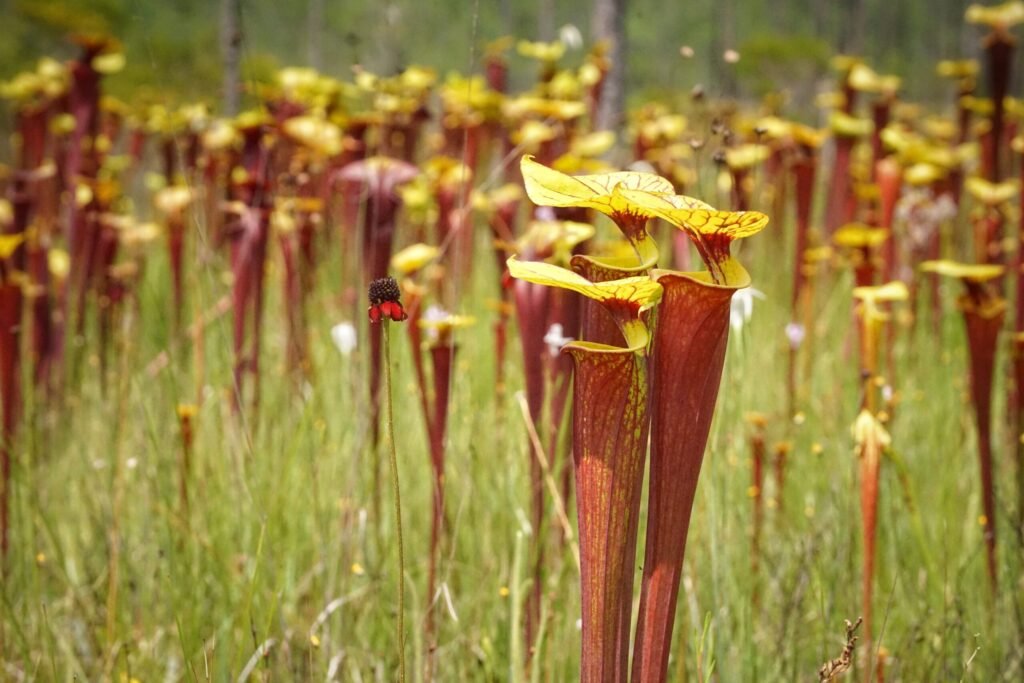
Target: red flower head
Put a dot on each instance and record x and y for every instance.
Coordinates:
(384, 300)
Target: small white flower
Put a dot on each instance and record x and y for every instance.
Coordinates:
(570, 35)
(555, 339)
(344, 337)
(795, 333)
(742, 307)
(433, 314)
(544, 213)
(887, 393)
(945, 208)
(131, 463)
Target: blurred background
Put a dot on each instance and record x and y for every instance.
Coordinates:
(176, 49)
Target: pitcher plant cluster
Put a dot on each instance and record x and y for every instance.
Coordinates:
(648, 364)
(324, 185)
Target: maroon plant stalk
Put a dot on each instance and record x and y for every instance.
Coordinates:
(249, 231)
(186, 428)
(34, 195)
(610, 429)
(988, 234)
(805, 167)
(503, 227)
(597, 325)
(1017, 418)
(110, 288)
(757, 457)
(10, 389)
(11, 303)
(294, 301)
(565, 311)
(84, 106)
(532, 306)
(176, 250)
(137, 143)
(740, 193)
(353, 150)
(781, 449)
(880, 117)
(81, 164)
(32, 127)
(983, 320)
(496, 71)
(375, 181)
(999, 47)
(889, 178)
(870, 460)
(840, 187)
(686, 369)
(462, 139)
(869, 446)
(442, 355)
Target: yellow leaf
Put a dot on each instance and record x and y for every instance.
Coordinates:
(448, 322)
(997, 16)
(891, 291)
(9, 243)
(867, 430)
(712, 231)
(593, 145)
(314, 133)
(553, 239)
(625, 299)
(989, 193)
(172, 200)
(864, 78)
(413, 258)
(641, 292)
(873, 296)
(844, 125)
(963, 68)
(544, 52)
(547, 187)
(923, 174)
(109, 63)
(746, 156)
(859, 236)
(608, 193)
(977, 272)
(59, 263)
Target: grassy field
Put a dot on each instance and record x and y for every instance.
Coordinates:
(282, 567)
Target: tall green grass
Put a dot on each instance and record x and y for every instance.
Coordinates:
(285, 567)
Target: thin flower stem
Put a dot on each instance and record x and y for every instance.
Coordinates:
(390, 427)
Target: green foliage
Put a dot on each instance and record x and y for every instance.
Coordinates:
(60, 17)
(771, 61)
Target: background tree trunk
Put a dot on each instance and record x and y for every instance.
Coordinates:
(231, 53)
(546, 20)
(724, 38)
(609, 24)
(314, 30)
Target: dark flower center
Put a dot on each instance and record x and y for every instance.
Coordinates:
(383, 290)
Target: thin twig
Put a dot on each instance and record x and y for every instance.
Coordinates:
(548, 479)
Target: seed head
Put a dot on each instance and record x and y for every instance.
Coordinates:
(385, 300)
